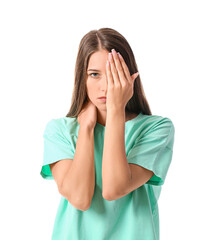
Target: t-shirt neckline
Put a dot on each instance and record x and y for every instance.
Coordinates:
(127, 123)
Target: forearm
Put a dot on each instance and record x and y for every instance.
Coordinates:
(116, 173)
(79, 181)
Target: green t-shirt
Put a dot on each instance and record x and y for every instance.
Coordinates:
(149, 143)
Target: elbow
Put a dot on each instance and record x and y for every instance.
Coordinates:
(108, 197)
(71, 198)
(115, 194)
(62, 190)
(79, 205)
(86, 208)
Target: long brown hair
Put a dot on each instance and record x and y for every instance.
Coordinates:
(93, 41)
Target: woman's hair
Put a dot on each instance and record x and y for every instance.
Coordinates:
(93, 41)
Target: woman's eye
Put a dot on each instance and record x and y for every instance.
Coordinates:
(93, 73)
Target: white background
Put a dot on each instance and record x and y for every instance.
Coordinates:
(176, 46)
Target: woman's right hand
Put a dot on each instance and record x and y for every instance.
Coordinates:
(88, 115)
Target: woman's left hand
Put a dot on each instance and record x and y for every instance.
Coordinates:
(120, 83)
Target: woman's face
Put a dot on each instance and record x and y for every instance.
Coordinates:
(96, 83)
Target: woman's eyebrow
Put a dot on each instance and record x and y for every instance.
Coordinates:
(94, 70)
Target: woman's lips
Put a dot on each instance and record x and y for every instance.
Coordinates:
(102, 99)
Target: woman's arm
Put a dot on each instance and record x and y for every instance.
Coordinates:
(76, 178)
(118, 176)
(116, 173)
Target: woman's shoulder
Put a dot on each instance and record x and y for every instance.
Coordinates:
(64, 124)
(148, 122)
(153, 119)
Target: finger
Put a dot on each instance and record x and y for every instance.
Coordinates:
(125, 67)
(121, 74)
(134, 76)
(110, 80)
(113, 70)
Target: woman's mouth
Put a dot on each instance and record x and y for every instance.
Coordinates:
(103, 99)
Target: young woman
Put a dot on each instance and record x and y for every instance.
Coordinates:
(109, 156)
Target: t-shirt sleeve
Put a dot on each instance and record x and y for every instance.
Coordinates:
(56, 147)
(153, 150)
